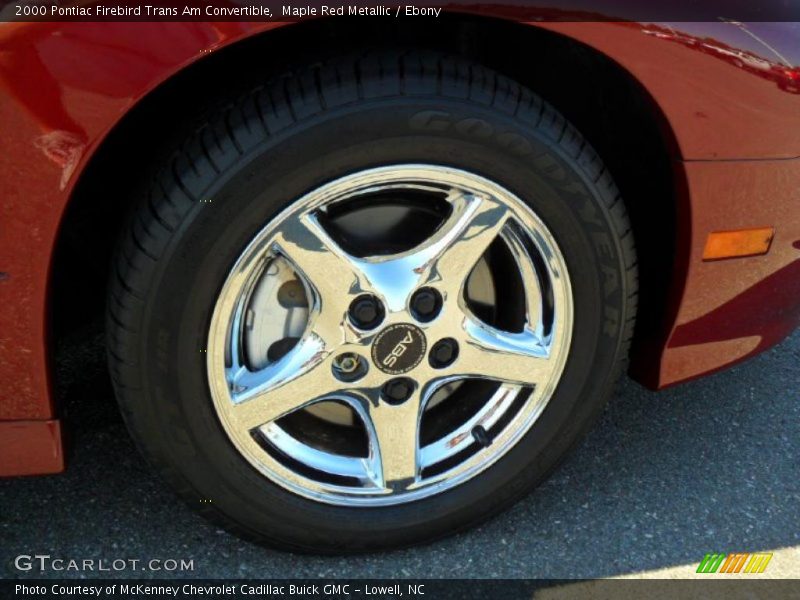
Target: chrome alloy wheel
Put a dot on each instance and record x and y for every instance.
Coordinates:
(371, 373)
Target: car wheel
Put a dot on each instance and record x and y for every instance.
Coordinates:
(370, 302)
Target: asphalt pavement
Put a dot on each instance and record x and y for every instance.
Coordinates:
(664, 478)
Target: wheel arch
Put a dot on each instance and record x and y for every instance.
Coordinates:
(560, 69)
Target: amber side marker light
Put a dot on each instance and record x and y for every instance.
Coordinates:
(744, 242)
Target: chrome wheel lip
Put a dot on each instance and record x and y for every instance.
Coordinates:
(240, 279)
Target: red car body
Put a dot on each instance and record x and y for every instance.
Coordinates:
(726, 95)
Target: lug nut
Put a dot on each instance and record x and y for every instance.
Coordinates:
(366, 312)
(347, 364)
(443, 353)
(397, 390)
(349, 367)
(426, 304)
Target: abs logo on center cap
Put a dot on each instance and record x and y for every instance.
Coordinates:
(399, 348)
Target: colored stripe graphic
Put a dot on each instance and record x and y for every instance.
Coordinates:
(758, 562)
(710, 563)
(735, 562)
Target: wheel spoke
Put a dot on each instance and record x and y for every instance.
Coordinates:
(289, 384)
(394, 433)
(447, 256)
(530, 284)
(325, 265)
(502, 356)
(463, 238)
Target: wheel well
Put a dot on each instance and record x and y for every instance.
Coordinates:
(600, 98)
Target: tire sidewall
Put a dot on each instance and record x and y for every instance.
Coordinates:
(177, 410)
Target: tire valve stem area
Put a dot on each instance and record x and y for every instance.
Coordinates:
(482, 436)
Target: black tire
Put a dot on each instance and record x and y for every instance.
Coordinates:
(291, 135)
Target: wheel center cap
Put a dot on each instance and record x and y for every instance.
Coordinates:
(399, 348)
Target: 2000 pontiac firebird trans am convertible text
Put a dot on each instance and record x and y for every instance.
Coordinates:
(365, 286)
